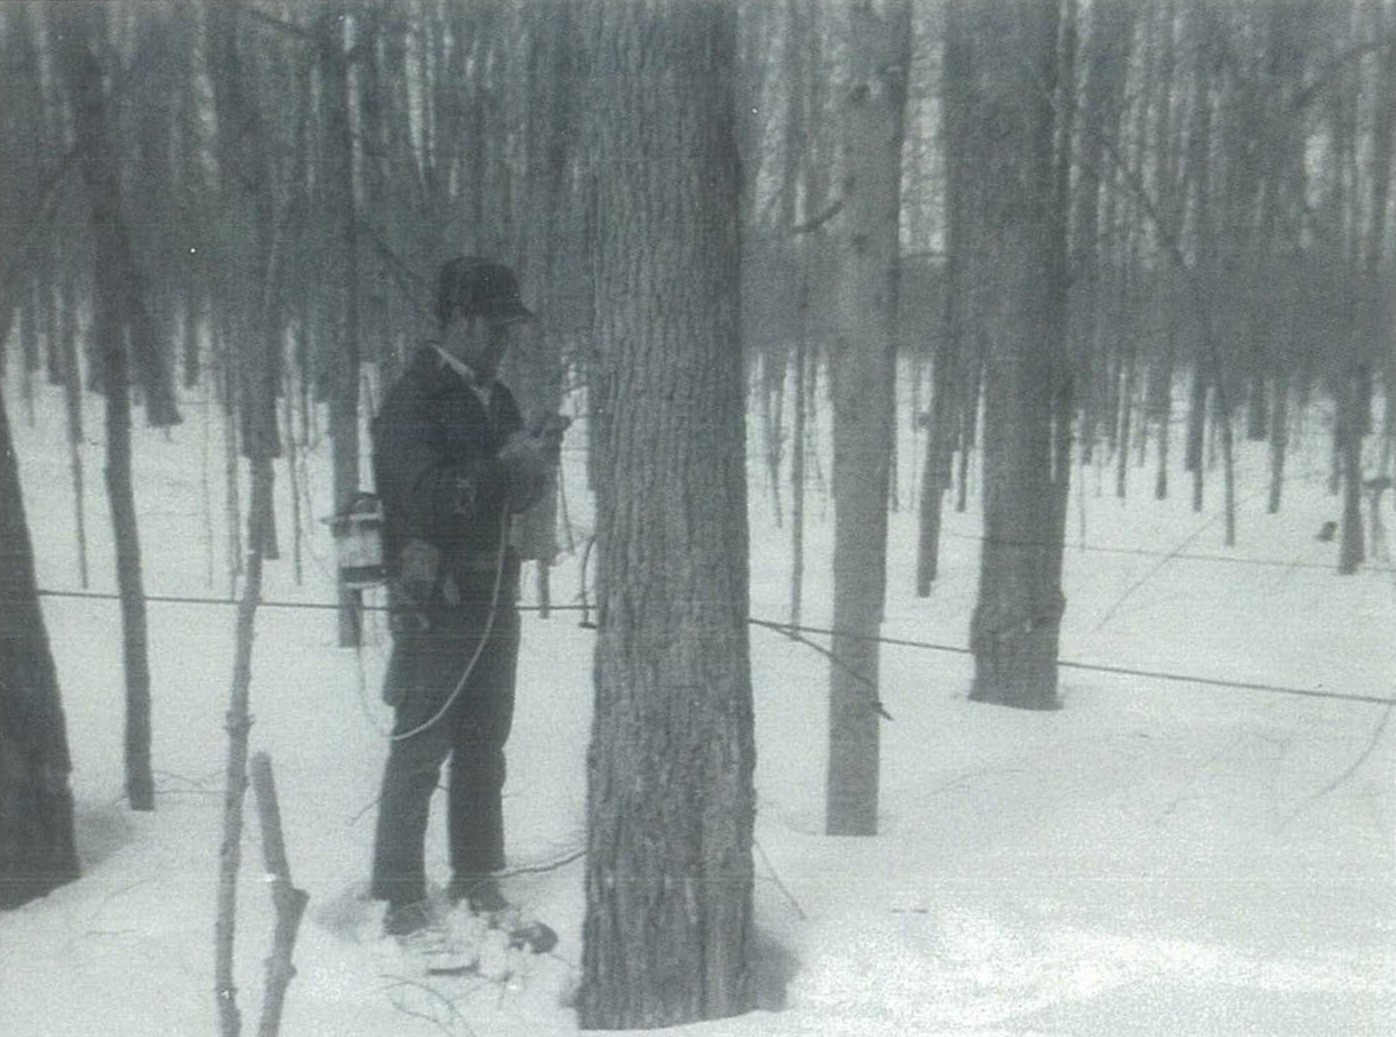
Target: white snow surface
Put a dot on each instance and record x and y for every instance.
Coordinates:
(1157, 857)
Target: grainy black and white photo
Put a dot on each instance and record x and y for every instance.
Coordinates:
(732, 518)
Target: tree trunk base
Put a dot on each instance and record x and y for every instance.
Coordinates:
(1015, 663)
(37, 851)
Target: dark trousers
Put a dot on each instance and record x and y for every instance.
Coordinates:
(423, 672)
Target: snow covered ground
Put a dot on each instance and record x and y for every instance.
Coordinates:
(1158, 857)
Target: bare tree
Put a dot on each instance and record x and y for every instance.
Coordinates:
(1107, 54)
(537, 369)
(124, 330)
(1014, 630)
(37, 849)
(947, 379)
(1354, 403)
(668, 929)
(863, 375)
(245, 176)
(339, 166)
(807, 77)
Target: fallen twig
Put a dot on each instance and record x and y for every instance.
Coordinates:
(780, 885)
(454, 1012)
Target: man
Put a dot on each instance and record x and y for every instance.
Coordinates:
(452, 462)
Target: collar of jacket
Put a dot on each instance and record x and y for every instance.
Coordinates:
(433, 360)
(466, 372)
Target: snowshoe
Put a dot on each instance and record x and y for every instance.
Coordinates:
(482, 895)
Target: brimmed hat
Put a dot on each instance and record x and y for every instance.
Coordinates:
(473, 287)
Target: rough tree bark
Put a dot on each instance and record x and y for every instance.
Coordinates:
(37, 849)
(668, 929)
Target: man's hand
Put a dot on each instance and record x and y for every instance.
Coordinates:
(548, 430)
(529, 456)
(527, 459)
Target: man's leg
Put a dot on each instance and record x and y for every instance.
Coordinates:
(411, 774)
(477, 761)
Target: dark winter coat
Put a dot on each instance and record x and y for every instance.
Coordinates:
(435, 447)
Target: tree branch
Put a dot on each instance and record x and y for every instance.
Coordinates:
(814, 223)
(47, 204)
(300, 32)
(413, 285)
(1335, 68)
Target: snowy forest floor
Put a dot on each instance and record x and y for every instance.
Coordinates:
(1156, 857)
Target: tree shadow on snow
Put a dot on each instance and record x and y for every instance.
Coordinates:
(101, 829)
(776, 965)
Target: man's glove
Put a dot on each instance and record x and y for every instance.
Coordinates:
(526, 459)
(548, 430)
(419, 567)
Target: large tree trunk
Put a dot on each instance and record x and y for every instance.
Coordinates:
(1016, 623)
(37, 850)
(671, 805)
(863, 374)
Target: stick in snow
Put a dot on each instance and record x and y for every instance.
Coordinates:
(285, 897)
